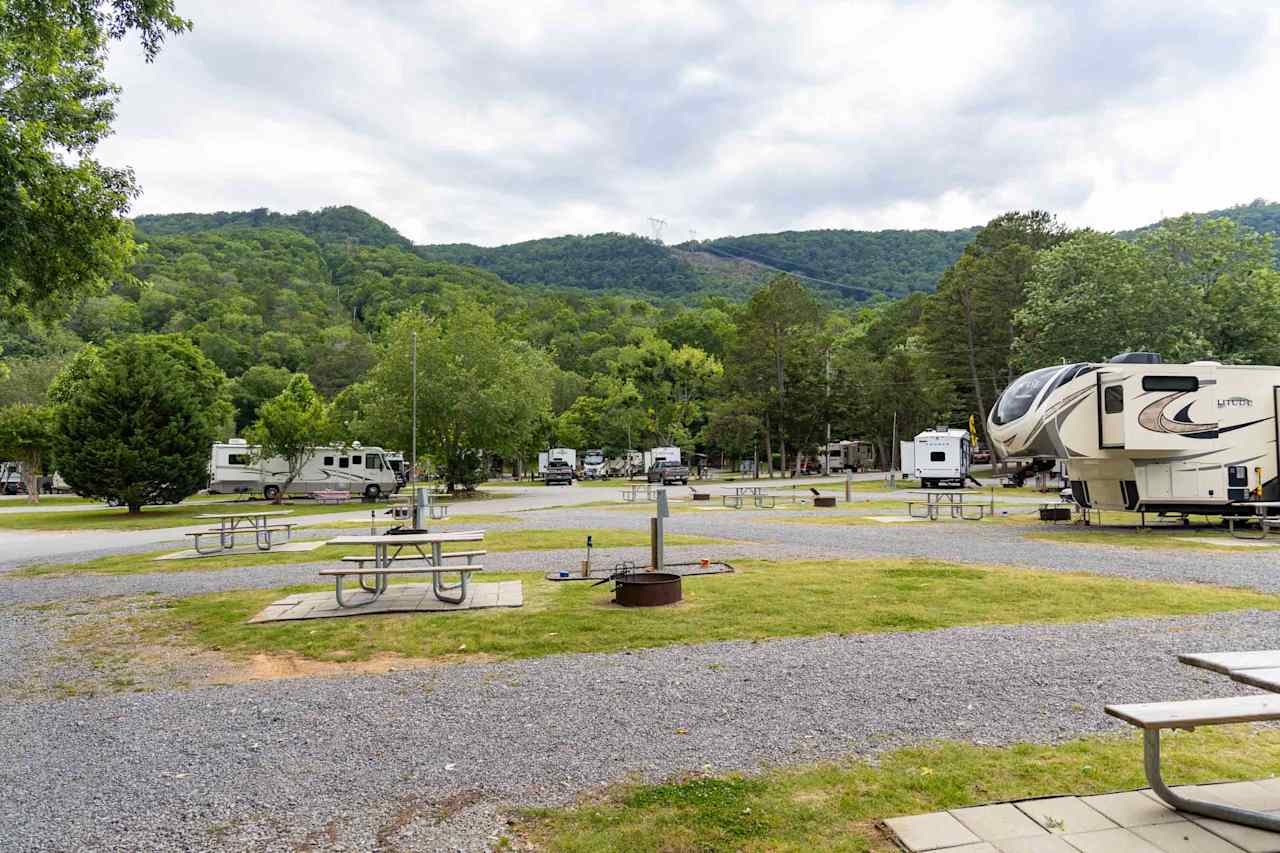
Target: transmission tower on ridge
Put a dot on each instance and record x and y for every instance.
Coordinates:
(657, 225)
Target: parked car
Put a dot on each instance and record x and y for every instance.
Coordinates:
(666, 472)
(558, 471)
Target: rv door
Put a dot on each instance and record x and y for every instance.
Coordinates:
(1110, 411)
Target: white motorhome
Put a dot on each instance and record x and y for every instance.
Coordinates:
(235, 467)
(593, 465)
(10, 479)
(939, 457)
(567, 455)
(850, 456)
(1138, 434)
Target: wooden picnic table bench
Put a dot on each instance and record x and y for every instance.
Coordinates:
(387, 550)
(1257, 668)
(230, 523)
(959, 503)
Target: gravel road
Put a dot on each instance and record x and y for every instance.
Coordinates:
(351, 763)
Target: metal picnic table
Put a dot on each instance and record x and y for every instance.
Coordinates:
(1265, 522)
(229, 523)
(955, 500)
(387, 548)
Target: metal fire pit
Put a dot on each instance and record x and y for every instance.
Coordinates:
(646, 589)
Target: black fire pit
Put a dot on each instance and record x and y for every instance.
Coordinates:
(646, 589)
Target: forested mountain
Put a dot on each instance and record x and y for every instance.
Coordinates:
(345, 224)
(870, 263)
(1260, 215)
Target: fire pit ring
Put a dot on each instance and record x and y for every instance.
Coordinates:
(647, 589)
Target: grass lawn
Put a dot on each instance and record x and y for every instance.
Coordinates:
(155, 517)
(1150, 537)
(494, 541)
(763, 600)
(836, 806)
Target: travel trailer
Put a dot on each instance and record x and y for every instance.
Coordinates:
(661, 454)
(235, 468)
(850, 456)
(939, 457)
(567, 455)
(1138, 434)
(593, 465)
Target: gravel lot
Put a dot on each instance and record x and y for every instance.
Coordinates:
(346, 762)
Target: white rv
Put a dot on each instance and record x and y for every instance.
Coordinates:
(235, 467)
(850, 456)
(567, 455)
(939, 457)
(1138, 434)
(593, 465)
(661, 454)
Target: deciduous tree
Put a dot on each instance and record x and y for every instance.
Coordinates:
(291, 426)
(26, 436)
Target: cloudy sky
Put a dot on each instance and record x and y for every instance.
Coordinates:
(491, 122)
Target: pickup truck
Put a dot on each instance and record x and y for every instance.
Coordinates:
(666, 473)
(559, 472)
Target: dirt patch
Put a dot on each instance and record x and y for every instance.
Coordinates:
(264, 667)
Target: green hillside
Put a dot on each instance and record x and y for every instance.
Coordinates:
(343, 224)
(1260, 215)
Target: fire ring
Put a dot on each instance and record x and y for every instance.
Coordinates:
(647, 589)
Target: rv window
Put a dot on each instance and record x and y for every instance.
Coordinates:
(238, 459)
(373, 461)
(1113, 399)
(355, 460)
(1170, 383)
(938, 456)
(328, 460)
(343, 462)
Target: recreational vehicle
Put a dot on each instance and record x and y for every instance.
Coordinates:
(850, 456)
(939, 457)
(567, 455)
(1138, 434)
(593, 465)
(235, 467)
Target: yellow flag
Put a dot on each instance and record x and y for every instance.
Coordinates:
(973, 432)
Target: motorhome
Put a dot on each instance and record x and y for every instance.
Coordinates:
(850, 456)
(939, 458)
(567, 455)
(1139, 434)
(593, 465)
(237, 467)
(11, 479)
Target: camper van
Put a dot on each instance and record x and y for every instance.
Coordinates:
(939, 458)
(1139, 434)
(236, 468)
(850, 456)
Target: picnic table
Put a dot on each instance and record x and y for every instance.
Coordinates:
(959, 503)
(1256, 668)
(436, 511)
(631, 494)
(1265, 522)
(230, 523)
(387, 551)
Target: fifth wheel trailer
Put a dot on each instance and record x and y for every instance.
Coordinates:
(938, 457)
(1139, 434)
(235, 467)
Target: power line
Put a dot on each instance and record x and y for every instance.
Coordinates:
(716, 250)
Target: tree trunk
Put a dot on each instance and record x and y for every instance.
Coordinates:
(782, 449)
(135, 508)
(29, 471)
(965, 300)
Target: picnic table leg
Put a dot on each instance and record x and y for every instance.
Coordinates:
(262, 536)
(227, 536)
(1151, 763)
(196, 543)
(337, 592)
(439, 587)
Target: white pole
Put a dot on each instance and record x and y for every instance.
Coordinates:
(414, 370)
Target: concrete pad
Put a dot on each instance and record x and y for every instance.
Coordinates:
(1110, 841)
(1184, 837)
(285, 547)
(1246, 795)
(400, 598)
(893, 519)
(1244, 837)
(993, 823)
(1043, 844)
(1065, 815)
(933, 831)
(1132, 808)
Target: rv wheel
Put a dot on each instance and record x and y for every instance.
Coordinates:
(373, 491)
(271, 492)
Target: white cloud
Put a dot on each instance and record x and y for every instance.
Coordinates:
(491, 122)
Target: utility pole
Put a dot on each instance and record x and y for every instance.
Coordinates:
(414, 370)
(656, 225)
(826, 449)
